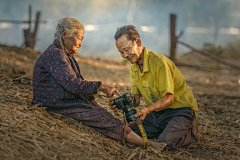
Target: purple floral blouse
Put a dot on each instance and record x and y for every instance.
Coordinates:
(57, 82)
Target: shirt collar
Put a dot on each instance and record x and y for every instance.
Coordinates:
(145, 61)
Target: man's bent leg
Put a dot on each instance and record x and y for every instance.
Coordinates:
(178, 131)
(150, 125)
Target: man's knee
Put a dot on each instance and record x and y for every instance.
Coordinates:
(171, 139)
(168, 137)
(175, 139)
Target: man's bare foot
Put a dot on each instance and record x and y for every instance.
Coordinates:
(158, 146)
(152, 140)
(132, 137)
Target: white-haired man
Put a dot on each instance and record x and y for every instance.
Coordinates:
(171, 104)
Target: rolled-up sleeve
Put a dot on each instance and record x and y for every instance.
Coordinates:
(165, 80)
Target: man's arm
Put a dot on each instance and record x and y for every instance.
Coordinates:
(161, 103)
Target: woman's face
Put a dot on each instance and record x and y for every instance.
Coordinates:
(74, 42)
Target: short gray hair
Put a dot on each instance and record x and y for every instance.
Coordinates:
(129, 30)
(69, 25)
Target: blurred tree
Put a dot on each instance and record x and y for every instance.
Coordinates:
(8, 11)
(194, 13)
(211, 13)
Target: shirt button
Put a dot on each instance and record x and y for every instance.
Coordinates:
(142, 78)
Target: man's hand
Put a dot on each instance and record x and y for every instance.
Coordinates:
(142, 113)
(108, 90)
(161, 103)
(132, 123)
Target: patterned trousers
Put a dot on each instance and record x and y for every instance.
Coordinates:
(96, 117)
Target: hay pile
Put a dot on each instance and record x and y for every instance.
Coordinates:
(17, 59)
(29, 132)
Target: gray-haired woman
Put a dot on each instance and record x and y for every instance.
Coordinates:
(59, 85)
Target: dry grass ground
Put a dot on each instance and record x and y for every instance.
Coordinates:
(29, 132)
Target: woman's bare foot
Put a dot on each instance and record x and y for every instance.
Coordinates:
(157, 145)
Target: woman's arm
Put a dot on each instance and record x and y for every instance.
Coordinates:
(58, 65)
(94, 103)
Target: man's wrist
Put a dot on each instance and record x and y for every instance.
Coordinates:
(148, 110)
(151, 108)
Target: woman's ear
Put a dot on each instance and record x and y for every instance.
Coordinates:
(64, 35)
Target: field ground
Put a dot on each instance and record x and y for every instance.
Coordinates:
(29, 132)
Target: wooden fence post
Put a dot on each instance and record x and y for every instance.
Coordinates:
(30, 38)
(173, 37)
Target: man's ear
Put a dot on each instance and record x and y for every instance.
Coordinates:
(139, 42)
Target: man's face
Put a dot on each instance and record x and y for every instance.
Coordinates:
(128, 49)
(73, 43)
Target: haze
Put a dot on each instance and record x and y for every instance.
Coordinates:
(203, 22)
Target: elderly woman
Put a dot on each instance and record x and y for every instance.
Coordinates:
(59, 85)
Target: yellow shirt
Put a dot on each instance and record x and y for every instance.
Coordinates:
(161, 76)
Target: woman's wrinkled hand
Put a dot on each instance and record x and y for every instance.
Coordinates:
(108, 90)
(111, 102)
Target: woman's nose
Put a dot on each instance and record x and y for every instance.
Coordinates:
(80, 43)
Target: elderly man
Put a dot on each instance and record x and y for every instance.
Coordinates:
(171, 104)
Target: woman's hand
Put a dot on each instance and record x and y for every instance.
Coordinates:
(111, 103)
(108, 90)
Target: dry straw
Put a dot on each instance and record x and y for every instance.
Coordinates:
(29, 132)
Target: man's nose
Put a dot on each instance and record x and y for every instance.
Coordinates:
(124, 55)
